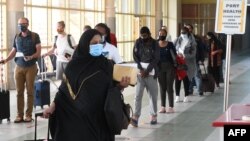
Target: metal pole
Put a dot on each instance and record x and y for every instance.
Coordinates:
(227, 71)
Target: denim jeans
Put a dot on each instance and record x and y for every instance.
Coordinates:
(198, 81)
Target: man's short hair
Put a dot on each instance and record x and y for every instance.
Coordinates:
(24, 18)
(61, 23)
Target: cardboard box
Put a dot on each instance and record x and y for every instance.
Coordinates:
(122, 70)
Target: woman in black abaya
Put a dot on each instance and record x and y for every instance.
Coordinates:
(80, 115)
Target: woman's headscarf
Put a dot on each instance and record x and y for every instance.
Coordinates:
(82, 63)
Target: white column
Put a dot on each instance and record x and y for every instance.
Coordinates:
(110, 14)
(15, 10)
(158, 16)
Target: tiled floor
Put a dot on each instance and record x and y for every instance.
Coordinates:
(191, 122)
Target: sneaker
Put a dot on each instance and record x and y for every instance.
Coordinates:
(163, 110)
(28, 119)
(18, 119)
(170, 110)
(153, 120)
(186, 99)
(177, 99)
(134, 122)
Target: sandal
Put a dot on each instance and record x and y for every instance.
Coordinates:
(28, 119)
(18, 119)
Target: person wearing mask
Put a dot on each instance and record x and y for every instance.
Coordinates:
(214, 57)
(146, 54)
(26, 50)
(185, 47)
(78, 107)
(166, 72)
(109, 50)
(168, 38)
(200, 57)
(63, 48)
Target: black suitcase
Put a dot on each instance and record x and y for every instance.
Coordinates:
(35, 134)
(42, 89)
(4, 105)
(208, 82)
(4, 98)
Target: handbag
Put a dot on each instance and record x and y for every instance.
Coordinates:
(117, 112)
(181, 66)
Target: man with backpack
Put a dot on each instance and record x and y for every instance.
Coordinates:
(146, 54)
(26, 50)
(63, 48)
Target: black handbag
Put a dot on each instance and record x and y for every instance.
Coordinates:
(116, 111)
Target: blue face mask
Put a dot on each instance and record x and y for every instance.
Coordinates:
(95, 50)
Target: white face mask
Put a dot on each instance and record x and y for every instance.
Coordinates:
(184, 36)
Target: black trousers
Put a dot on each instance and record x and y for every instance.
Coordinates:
(216, 74)
(166, 82)
(178, 86)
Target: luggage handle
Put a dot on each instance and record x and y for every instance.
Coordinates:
(205, 70)
(43, 74)
(39, 115)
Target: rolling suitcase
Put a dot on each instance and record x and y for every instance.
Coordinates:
(35, 134)
(42, 90)
(4, 100)
(208, 83)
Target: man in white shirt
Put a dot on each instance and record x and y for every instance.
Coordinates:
(109, 50)
(63, 48)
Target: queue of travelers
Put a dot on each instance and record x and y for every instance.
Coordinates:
(156, 59)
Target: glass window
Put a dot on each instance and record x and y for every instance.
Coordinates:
(201, 16)
(44, 15)
(165, 12)
(37, 2)
(75, 4)
(3, 37)
(131, 15)
(75, 24)
(57, 3)
(3, 28)
(89, 4)
(36, 20)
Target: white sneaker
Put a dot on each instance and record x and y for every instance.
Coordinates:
(177, 99)
(186, 99)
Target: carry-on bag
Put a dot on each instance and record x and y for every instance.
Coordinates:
(42, 90)
(4, 98)
(35, 134)
(208, 82)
